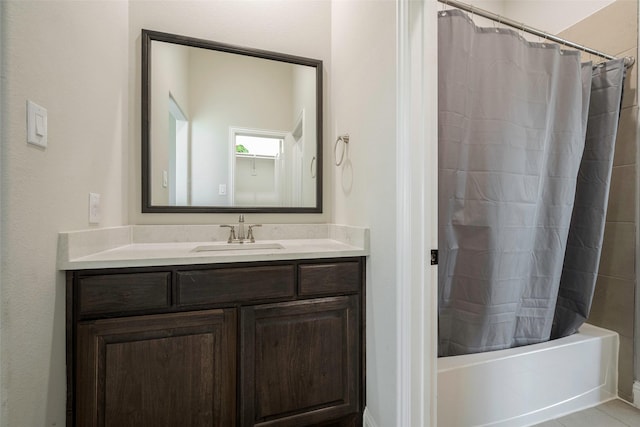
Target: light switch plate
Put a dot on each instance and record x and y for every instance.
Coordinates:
(95, 212)
(36, 124)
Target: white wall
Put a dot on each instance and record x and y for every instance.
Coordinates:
(551, 16)
(71, 58)
(304, 99)
(231, 90)
(256, 182)
(363, 93)
(170, 63)
(301, 28)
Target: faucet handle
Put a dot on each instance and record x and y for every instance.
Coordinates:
(250, 232)
(232, 232)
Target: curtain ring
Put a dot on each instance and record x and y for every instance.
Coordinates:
(345, 139)
(313, 172)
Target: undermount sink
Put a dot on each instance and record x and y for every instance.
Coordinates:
(237, 247)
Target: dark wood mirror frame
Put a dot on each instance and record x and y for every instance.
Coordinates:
(147, 207)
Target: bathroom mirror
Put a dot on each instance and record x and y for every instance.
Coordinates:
(229, 129)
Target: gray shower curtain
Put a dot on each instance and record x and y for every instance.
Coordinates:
(515, 250)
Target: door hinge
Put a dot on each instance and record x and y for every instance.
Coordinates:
(434, 257)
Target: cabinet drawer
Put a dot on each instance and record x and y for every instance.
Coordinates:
(323, 279)
(226, 285)
(122, 293)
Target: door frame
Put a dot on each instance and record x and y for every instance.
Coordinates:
(417, 215)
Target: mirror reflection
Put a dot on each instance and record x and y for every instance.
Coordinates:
(229, 128)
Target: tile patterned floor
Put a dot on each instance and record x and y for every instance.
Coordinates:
(615, 413)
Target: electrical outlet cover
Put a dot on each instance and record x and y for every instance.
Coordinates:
(95, 213)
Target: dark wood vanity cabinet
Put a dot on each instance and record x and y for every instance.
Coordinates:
(299, 363)
(157, 370)
(278, 344)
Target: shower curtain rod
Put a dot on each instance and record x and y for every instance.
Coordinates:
(628, 60)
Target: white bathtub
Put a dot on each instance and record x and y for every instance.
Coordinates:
(531, 384)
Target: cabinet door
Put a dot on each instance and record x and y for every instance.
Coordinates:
(168, 370)
(300, 362)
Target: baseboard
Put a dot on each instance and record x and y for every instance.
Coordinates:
(636, 394)
(367, 419)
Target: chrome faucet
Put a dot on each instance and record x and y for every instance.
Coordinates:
(241, 238)
(241, 227)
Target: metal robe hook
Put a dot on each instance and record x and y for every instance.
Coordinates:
(345, 140)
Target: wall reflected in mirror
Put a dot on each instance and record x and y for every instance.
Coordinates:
(228, 130)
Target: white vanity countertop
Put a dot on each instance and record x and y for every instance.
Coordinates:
(146, 246)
